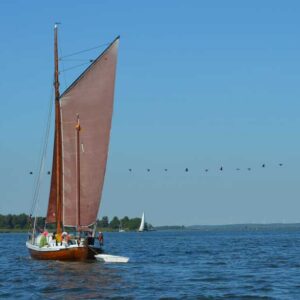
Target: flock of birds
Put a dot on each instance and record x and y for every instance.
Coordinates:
(206, 170)
(187, 169)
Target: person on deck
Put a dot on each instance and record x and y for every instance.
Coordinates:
(43, 240)
(58, 238)
(100, 238)
(68, 239)
(54, 241)
(64, 238)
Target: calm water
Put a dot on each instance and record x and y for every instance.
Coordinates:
(170, 265)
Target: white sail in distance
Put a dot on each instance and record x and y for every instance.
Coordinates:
(142, 226)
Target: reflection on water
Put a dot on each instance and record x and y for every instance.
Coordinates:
(178, 265)
(75, 279)
(78, 278)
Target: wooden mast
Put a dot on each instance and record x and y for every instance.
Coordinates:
(77, 127)
(58, 140)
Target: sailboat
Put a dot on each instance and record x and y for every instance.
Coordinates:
(121, 227)
(83, 115)
(143, 226)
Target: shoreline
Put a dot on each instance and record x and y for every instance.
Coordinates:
(200, 228)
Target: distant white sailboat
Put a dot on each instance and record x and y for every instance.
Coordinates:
(143, 227)
(121, 228)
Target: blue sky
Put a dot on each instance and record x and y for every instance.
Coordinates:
(200, 84)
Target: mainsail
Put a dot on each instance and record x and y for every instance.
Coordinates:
(91, 98)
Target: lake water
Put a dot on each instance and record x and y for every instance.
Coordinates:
(163, 265)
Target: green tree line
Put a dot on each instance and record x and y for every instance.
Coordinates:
(22, 222)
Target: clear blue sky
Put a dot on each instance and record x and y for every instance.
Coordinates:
(199, 84)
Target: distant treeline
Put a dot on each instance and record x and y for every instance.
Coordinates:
(22, 222)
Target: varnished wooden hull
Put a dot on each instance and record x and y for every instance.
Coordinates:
(71, 254)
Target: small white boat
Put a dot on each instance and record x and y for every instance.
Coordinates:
(111, 258)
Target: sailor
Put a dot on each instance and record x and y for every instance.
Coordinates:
(54, 241)
(49, 239)
(43, 240)
(64, 236)
(100, 238)
(68, 239)
(58, 239)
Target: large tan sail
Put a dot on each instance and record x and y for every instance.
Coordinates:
(91, 96)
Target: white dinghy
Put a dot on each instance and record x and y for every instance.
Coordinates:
(111, 258)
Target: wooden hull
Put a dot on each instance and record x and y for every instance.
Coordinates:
(71, 254)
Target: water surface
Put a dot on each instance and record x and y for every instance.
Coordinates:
(163, 265)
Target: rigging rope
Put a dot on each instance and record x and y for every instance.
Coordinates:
(38, 180)
(65, 79)
(86, 50)
(71, 68)
(79, 59)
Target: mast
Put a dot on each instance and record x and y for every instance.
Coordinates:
(58, 140)
(78, 128)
